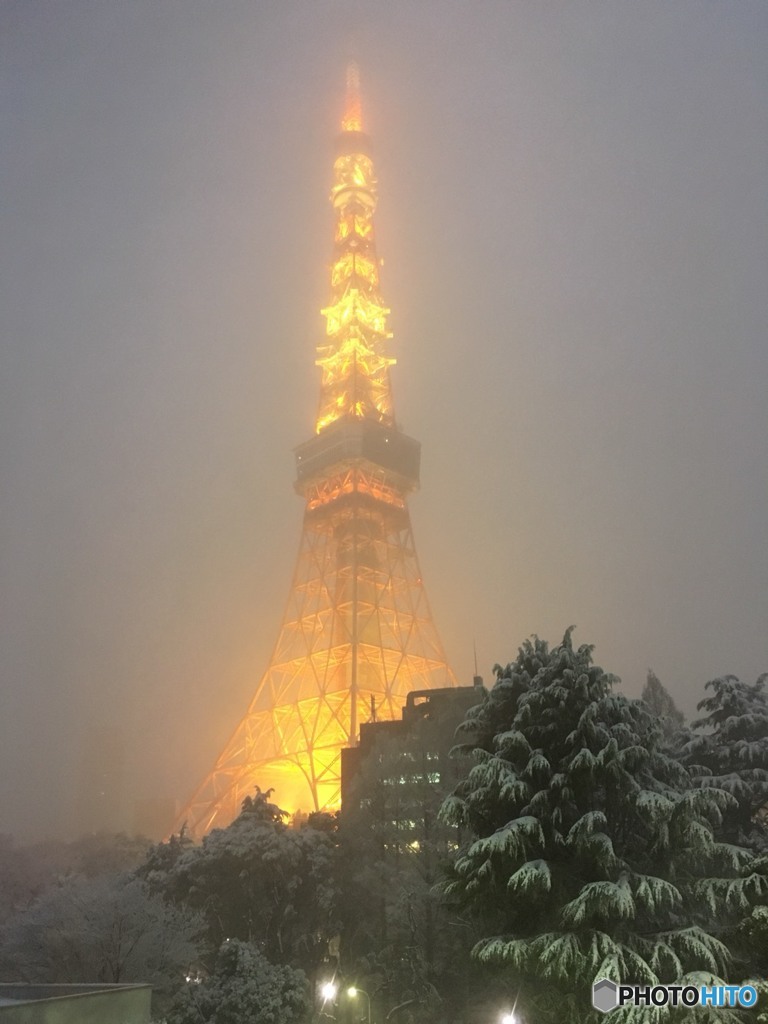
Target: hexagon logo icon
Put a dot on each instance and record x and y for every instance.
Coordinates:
(605, 995)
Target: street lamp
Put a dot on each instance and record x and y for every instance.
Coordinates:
(509, 1018)
(353, 991)
(328, 990)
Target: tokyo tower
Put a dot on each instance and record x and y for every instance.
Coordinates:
(357, 634)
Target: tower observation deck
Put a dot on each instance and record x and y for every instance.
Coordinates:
(357, 633)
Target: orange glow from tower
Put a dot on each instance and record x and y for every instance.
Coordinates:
(357, 633)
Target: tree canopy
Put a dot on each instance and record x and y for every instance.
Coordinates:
(659, 700)
(258, 881)
(591, 851)
(103, 929)
(729, 749)
(244, 986)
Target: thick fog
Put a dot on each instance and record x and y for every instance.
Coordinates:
(574, 222)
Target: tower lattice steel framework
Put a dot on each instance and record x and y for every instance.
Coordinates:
(357, 634)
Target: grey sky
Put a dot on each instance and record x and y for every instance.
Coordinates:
(574, 221)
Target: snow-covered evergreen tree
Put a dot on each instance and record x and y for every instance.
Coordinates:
(729, 749)
(593, 853)
(659, 700)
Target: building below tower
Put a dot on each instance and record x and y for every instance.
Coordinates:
(401, 770)
(398, 933)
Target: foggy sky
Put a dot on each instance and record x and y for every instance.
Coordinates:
(574, 221)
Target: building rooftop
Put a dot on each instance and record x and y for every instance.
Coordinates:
(75, 1004)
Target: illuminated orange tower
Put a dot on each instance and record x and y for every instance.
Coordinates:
(357, 634)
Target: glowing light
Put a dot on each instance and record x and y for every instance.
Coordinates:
(352, 224)
(328, 990)
(352, 121)
(354, 361)
(353, 991)
(354, 264)
(355, 309)
(354, 481)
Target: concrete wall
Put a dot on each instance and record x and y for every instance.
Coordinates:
(75, 1004)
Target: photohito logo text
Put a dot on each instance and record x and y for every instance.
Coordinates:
(608, 995)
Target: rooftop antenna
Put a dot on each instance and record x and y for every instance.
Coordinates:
(477, 679)
(352, 121)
